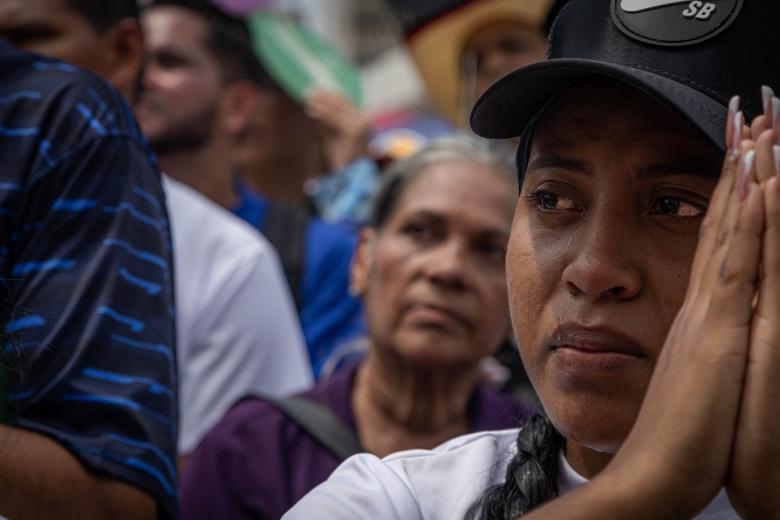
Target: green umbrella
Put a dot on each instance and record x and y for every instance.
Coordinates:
(298, 60)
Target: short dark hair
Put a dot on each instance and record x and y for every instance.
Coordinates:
(104, 14)
(228, 39)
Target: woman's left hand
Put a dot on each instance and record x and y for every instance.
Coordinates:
(753, 482)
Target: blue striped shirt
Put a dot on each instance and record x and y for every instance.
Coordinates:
(86, 289)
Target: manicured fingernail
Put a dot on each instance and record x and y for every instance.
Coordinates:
(734, 105)
(739, 122)
(776, 153)
(776, 113)
(747, 167)
(733, 108)
(766, 95)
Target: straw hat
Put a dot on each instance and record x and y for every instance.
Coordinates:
(437, 43)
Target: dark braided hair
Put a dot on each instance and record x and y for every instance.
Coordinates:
(531, 476)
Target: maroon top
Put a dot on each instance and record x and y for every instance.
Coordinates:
(257, 463)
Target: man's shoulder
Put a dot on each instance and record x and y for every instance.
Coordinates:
(326, 232)
(50, 110)
(328, 244)
(217, 231)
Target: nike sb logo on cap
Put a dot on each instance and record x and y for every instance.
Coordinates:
(635, 6)
(674, 22)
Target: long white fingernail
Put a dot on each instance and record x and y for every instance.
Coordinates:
(766, 95)
(733, 107)
(739, 122)
(776, 113)
(747, 167)
(776, 153)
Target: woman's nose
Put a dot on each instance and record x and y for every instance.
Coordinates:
(602, 267)
(446, 266)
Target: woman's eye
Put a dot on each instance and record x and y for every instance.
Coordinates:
(549, 201)
(677, 207)
(417, 231)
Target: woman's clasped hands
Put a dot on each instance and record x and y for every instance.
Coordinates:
(711, 415)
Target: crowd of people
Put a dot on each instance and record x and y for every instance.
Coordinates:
(219, 303)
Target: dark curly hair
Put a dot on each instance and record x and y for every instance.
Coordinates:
(104, 14)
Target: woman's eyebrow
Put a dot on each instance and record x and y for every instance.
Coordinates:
(703, 169)
(560, 163)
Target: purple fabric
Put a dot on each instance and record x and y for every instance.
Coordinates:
(257, 464)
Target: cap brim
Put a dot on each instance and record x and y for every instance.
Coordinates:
(505, 109)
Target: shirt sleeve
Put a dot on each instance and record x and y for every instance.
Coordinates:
(91, 325)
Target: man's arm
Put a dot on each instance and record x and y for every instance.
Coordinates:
(42, 479)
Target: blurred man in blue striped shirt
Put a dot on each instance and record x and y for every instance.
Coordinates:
(87, 297)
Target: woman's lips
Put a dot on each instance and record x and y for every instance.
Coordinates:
(582, 350)
(436, 315)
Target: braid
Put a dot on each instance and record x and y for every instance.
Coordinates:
(531, 476)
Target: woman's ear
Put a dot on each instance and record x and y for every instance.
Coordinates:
(123, 51)
(362, 262)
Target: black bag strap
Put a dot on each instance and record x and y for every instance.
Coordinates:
(321, 423)
(285, 228)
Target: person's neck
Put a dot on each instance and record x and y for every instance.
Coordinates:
(401, 406)
(587, 462)
(280, 180)
(206, 170)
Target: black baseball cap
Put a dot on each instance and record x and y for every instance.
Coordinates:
(691, 56)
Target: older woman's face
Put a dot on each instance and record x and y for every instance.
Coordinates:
(600, 253)
(433, 277)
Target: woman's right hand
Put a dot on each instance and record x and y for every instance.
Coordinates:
(753, 483)
(677, 455)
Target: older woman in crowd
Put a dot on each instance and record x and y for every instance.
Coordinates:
(430, 270)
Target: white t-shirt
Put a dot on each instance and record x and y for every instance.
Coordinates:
(443, 483)
(237, 330)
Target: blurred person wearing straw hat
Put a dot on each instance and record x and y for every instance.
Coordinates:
(461, 47)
